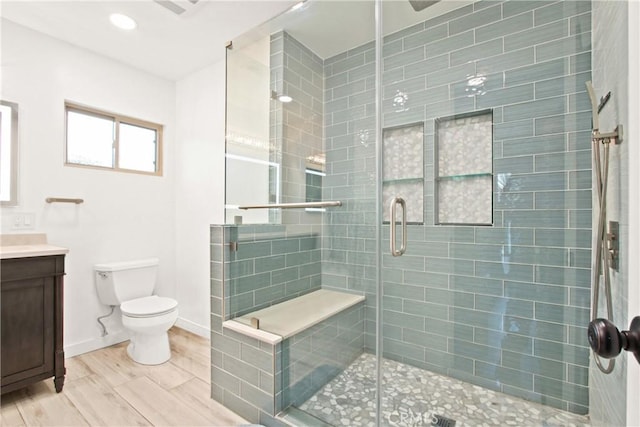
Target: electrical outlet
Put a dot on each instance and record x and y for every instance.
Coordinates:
(23, 221)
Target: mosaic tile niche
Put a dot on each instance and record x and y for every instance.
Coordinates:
(464, 184)
(403, 169)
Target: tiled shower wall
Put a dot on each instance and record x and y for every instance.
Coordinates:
(608, 399)
(503, 306)
(257, 379)
(296, 126)
(272, 263)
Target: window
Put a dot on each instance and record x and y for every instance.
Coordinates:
(105, 140)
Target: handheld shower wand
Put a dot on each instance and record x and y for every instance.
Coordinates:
(601, 256)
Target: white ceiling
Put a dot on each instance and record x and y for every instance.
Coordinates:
(164, 44)
(173, 46)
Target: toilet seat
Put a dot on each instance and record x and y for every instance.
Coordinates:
(151, 306)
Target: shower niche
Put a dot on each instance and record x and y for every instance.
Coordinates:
(464, 169)
(403, 169)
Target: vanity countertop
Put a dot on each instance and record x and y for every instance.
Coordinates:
(27, 245)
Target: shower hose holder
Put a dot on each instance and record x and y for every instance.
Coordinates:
(607, 341)
(608, 137)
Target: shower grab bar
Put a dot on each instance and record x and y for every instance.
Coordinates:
(293, 205)
(392, 226)
(63, 200)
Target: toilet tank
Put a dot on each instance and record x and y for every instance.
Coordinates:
(117, 282)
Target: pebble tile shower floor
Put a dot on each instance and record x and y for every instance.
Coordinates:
(412, 396)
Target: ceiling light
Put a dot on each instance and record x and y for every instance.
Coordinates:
(296, 6)
(123, 22)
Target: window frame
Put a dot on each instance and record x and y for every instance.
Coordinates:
(117, 120)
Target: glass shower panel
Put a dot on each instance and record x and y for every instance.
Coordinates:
(484, 316)
(248, 146)
(300, 128)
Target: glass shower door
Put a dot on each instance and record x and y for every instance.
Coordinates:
(485, 135)
(458, 143)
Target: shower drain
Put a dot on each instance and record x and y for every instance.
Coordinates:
(440, 421)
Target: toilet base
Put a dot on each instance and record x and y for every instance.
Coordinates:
(149, 349)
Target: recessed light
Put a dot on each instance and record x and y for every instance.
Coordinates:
(296, 6)
(123, 22)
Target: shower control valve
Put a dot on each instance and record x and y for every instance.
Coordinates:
(607, 341)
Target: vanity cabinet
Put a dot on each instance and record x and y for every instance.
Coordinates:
(31, 321)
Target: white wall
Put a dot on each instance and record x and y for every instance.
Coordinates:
(614, 398)
(199, 188)
(124, 216)
(633, 129)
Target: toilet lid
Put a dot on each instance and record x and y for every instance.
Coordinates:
(148, 306)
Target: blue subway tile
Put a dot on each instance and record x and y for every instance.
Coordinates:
(516, 378)
(504, 270)
(478, 51)
(506, 26)
(404, 320)
(562, 390)
(535, 328)
(510, 95)
(447, 297)
(403, 58)
(536, 72)
(564, 47)
(573, 160)
(474, 351)
(536, 292)
(504, 341)
(535, 365)
(425, 309)
(506, 61)
(565, 276)
(476, 318)
(449, 44)
(507, 306)
(534, 109)
(580, 199)
(429, 35)
(536, 36)
(565, 315)
(450, 266)
(422, 339)
(510, 130)
(560, 10)
(511, 8)
(475, 19)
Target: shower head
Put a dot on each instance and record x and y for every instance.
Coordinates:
(419, 5)
(594, 105)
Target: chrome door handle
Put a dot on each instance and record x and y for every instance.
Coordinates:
(392, 225)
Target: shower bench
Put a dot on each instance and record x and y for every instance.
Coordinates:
(289, 318)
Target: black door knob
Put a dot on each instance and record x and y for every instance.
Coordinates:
(607, 341)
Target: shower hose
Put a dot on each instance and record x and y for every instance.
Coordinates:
(601, 265)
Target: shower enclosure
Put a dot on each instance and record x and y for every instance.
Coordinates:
(428, 166)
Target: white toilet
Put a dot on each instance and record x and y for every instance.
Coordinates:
(130, 285)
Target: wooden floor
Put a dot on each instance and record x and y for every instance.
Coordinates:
(106, 388)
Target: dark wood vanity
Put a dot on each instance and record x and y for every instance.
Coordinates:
(31, 321)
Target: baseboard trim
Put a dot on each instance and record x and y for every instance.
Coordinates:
(188, 325)
(95, 344)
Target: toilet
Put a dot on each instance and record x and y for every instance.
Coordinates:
(130, 285)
